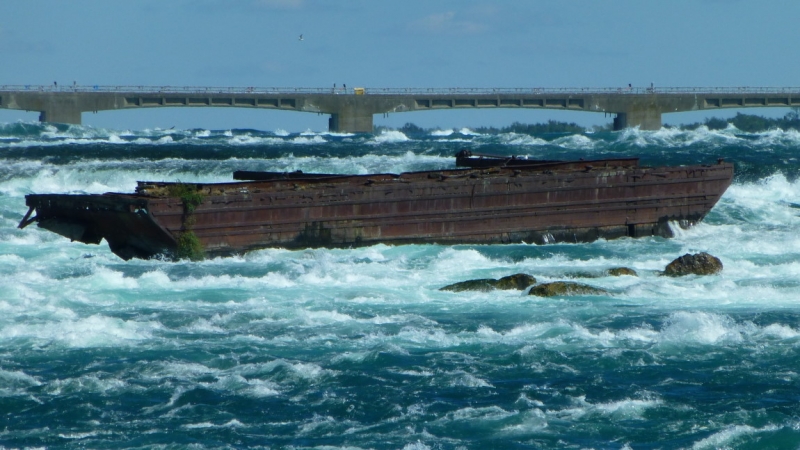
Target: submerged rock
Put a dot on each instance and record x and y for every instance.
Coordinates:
(613, 272)
(558, 288)
(619, 271)
(519, 281)
(697, 264)
(583, 274)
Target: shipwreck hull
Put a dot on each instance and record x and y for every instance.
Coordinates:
(122, 220)
(541, 203)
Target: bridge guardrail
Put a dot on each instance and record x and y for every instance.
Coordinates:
(141, 89)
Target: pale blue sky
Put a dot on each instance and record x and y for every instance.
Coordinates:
(409, 43)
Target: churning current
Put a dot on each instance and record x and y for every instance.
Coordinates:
(358, 348)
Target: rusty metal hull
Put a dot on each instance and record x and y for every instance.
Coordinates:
(571, 201)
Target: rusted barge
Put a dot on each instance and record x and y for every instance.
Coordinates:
(493, 200)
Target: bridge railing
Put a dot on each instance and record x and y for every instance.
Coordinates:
(199, 90)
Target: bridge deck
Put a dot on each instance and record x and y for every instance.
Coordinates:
(352, 109)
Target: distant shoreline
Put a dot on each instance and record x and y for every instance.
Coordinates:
(749, 123)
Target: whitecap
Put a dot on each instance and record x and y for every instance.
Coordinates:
(576, 141)
(628, 408)
(86, 384)
(521, 139)
(728, 436)
(428, 338)
(80, 435)
(182, 370)
(442, 133)
(17, 378)
(701, 328)
(469, 380)
(416, 446)
(316, 318)
(468, 132)
(301, 370)
(529, 422)
(780, 331)
(93, 331)
(778, 137)
(204, 326)
(233, 423)
(305, 140)
(488, 413)
(389, 136)
(237, 383)
(625, 409)
(352, 357)
(338, 134)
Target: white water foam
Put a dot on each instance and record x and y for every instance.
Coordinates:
(626, 409)
(778, 137)
(442, 133)
(16, 379)
(97, 177)
(468, 132)
(93, 331)
(577, 141)
(305, 139)
(729, 436)
(389, 137)
(87, 384)
(320, 311)
(521, 140)
(49, 135)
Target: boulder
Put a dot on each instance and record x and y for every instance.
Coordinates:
(697, 264)
(613, 272)
(583, 274)
(483, 285)
(619, 271)
(559, 288)
(519, 281)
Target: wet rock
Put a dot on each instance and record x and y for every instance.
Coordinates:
(583, 274)
(613, 272)
(697, 264)
(620, 271)
(559, 288)
(483, 285)
(519, 281)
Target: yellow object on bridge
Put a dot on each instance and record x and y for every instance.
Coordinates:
(359, 91)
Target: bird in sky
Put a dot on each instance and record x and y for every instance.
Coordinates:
(300, 38)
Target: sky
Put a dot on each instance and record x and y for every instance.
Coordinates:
(383, 43)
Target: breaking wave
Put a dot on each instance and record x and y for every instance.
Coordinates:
(358, 347)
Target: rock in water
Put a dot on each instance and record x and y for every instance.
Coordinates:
(483, 285)
(519, 281)
(558, 288)
(619, 271)
(697, 264)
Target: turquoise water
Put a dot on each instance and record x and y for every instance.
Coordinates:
(357, 348)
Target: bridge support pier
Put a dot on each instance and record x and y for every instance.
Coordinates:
(350, 122)
(61, 115)
(644, 118)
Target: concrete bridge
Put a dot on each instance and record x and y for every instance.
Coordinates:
(352, 110)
